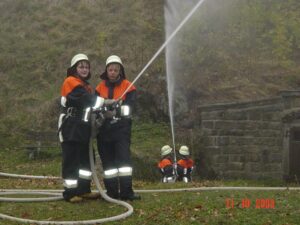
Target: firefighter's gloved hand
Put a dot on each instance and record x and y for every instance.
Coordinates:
(99, 121)
(110, 114)
(109, 101)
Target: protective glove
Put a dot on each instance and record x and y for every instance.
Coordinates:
(110, 114)
(109, 101)
(99, 121)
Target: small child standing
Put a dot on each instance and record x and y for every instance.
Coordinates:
(165, 165)
(184, 165)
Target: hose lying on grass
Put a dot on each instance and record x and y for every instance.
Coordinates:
(57, 195)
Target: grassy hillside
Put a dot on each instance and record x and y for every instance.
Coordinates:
(38, 39)
(230, 51)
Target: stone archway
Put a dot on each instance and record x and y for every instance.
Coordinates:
(291, 144)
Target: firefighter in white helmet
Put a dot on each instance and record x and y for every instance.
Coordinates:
(165, 165)
(77, 101)
(113, 140)
(185, 165)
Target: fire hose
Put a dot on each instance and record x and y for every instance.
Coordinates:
(58, 196)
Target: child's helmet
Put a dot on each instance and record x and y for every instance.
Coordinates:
(165, 150)
(114, 59)
(184, 150)
(78, 58)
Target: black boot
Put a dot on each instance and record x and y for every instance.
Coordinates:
(132, 197)
(126, 192)
(70, 193)
(84, 186)
(112, 187)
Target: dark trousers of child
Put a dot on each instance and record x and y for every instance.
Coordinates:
(75, 158)
(115, 154)
(184, 174)
(167, 172)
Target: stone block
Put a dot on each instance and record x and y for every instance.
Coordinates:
(272, 167)
(213, 150)
(234, 174)
(271, 116)
(232, 132)
(235, 166)
(276, 158)
(207, 124)
(235, 115)
(221, 158)
(236, 158)
(209, 132)
(255, 167)
(254, 115)
(212, 115)
(252, 157)
(226, 125)
(222, 140)
(240, 141)
(232, 150)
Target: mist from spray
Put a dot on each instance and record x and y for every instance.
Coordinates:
(175, 11)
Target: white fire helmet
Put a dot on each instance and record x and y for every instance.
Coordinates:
(184, 150)
(78, 58)
(165, 150)
(114, 59)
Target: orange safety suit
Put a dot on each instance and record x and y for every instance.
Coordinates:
(165, 166)
(184, 169)
(74, 133)
(113, 140)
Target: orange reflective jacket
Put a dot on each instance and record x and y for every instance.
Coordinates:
(165, 162)
(71, 82)
(119, 90)
(186, 163)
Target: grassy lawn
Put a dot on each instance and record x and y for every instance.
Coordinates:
(199, 207)
(171, 208)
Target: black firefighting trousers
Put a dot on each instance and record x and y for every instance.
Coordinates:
(75, 158)
(114, 150)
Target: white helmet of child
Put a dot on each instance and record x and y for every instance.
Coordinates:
(184, 150)
(78, 58)
(165, 150)
(114, 59)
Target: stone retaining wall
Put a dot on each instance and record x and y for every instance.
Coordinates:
(246, 140)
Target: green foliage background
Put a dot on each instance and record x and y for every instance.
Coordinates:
(246, 49)
(238, 50)
(39, 38)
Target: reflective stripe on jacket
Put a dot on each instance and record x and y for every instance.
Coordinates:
(77, 95)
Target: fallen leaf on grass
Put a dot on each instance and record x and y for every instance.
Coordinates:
(25, 215)
(198, 207)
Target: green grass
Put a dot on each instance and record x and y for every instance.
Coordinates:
(172, 208)
(203, 207)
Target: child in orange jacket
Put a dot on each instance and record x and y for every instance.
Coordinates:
(165, 165)
(185, 165)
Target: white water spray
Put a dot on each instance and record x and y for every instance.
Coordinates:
(170, 34)
(170, 37)
(174, 10)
